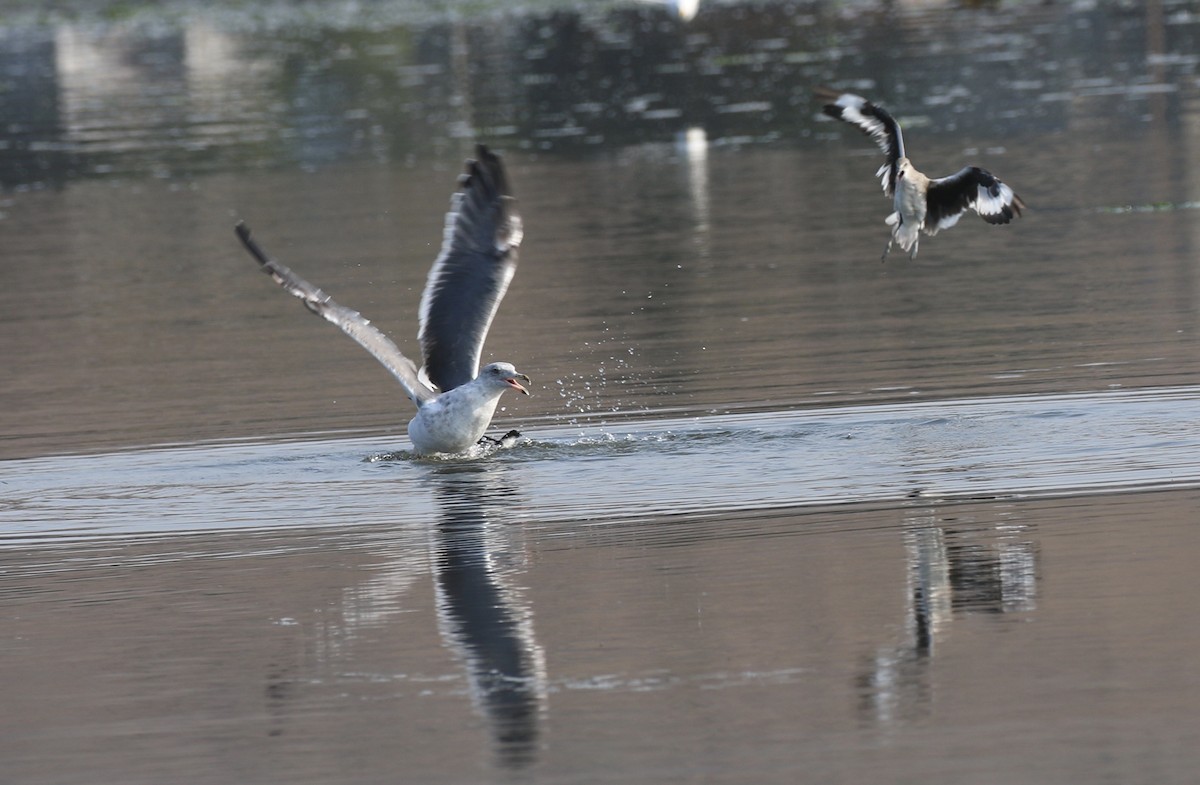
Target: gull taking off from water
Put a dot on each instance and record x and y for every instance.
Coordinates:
(455, 400)
(921, 204)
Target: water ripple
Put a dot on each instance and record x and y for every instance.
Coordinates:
(648, 469)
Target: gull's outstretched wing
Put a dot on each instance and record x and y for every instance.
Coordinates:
(470, 275)
(351, 322)
(875, 122)
(970, 188)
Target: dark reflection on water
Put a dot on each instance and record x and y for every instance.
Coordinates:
(222, 90)
(481, 613)
(884, 642)
(476, 555)
(959, 562)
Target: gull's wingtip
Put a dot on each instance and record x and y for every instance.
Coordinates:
(484, 153)
(243, 233)
(487, 166)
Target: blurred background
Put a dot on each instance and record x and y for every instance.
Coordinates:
(697, 237)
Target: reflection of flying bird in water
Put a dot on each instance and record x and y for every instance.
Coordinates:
(921, 203)
(455, 400)
(950, 571)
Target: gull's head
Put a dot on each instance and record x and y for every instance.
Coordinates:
(903, 167)
(504, 376)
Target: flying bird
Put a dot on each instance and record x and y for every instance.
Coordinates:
(455, 399)
(920, 203)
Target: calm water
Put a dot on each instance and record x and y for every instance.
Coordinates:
(782, 513)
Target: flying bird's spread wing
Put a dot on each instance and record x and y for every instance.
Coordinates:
(468, 280)
(351, 322)
(875, 122)
(970, 188)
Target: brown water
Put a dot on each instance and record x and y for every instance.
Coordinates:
(783, 513)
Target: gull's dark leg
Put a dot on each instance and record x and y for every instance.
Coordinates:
(504, 441)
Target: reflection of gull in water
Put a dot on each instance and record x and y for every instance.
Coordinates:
(482, 616)
(455, 400)
(921, 204)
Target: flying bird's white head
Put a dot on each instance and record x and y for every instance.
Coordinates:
(504, 376)
(905, 171)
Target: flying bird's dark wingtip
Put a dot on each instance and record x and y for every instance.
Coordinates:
(1006, 214)
(1010, 212)
(832, 110)
(828, 97)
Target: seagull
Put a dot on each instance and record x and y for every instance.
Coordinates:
(455, 399)
(921, 204)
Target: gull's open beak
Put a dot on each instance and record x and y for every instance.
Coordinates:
(517, 385)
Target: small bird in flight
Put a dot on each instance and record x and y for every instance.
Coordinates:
(921, 204)
(455, 400)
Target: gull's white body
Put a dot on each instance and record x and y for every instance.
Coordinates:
(457, 419)
(455, 400)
